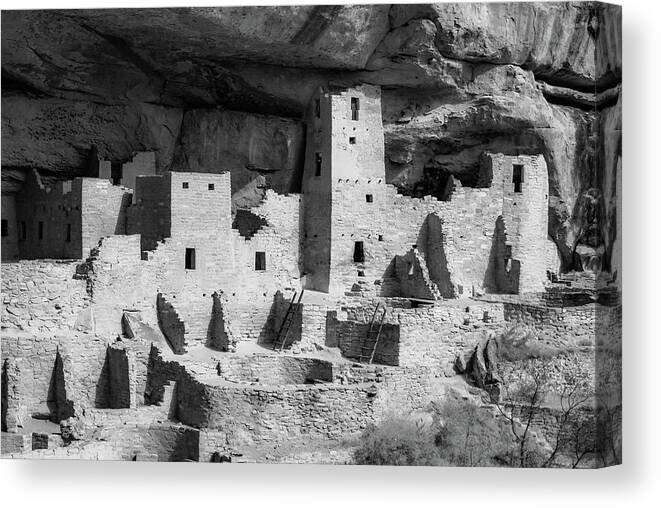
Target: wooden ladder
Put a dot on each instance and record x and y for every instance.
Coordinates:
(281, 338)
(371, 341)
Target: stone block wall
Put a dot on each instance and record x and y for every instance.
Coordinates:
(121, 377)
(428, 335)
(286, 412)
(171, 325)
(149, 213)
(67, 219)
(55, 208)
(280, 241)
(271, 369)
(102, 211)
(573, 326)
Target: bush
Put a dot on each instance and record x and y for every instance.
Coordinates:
(470, 436)
(398, 441)
(520, 344)
(462, 434)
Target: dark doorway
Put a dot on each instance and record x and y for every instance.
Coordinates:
(517, 176)
(358, 252)
(116, 173)
(190, 259)
(260, 261)
(355, 106)
(68, 232)
(317, 164)
(5, 228)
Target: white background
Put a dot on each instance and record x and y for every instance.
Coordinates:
(636, 483)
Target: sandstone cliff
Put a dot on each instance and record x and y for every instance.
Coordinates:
(214, 89)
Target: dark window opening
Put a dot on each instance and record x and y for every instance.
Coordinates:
(5, 228)
(352, 140)
(358, 252)
(317, 164)
(361, 273)
(211, 186)
(190, 259)
(184, 185)
(517, 176)
(317, 108)
(116, 173)
(41, 231)
(369, 198)
(380, 238)
(355, 106)
(24, 231)
(260, 261)
(68, 232)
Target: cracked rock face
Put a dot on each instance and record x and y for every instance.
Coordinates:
(211, 89)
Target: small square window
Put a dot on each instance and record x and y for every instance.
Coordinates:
(190, 259)
(184, 185)
(5, 228)
(352, 140)
(260, 261)
(369, 198)
(211, 186)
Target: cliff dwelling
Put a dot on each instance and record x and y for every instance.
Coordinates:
(285, 286)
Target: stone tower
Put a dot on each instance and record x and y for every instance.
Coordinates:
(344, 185)
(523, 225)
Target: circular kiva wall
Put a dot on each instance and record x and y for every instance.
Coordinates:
(274, 370)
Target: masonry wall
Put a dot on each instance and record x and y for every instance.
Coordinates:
(430, 335)
(280, 240)
(54, 208)
(286, 412)
(149, 214)
(569, 326)
(103, 208)
(73, 215)
(273, 369)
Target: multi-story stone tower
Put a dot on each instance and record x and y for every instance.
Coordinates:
(344, 185)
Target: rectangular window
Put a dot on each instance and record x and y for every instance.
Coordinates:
(40, 230)
(116, 173)
(517, 177)
(190, 259)
(260, 261)
(369, 198)
(352, 140)
(211, 186)
(68, 232)
(5, 228)
(355, 106)
(317, 164)
(358, 253)
(317, 108)
(24, 230)
(184, 185)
